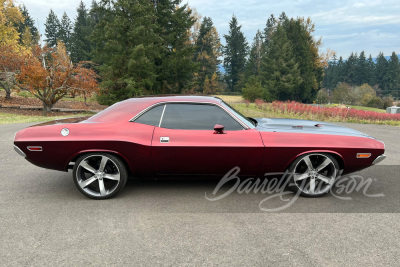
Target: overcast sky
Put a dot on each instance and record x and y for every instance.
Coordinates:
(344, 26)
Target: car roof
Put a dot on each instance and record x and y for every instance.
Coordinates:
(172, 98)
(127, 109)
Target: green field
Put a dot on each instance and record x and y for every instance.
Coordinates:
(359, 107)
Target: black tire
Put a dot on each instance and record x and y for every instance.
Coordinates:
(312, 180)
(99, 175)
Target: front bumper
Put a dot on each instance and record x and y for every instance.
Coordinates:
(379, 159)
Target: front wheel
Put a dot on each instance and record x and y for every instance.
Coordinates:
(313, 175)
(99, 175)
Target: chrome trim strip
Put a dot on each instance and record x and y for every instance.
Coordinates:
(162, 115)
(190, 102)
(19, 151)
(379, 159)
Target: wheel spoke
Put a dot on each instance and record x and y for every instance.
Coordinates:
(312, 186)
(87, 167)
(103, 163)
(102, 188)
(298, 177)
(308, 162)
(87, 182)
(114, 177)
(324, 178)
(323, 165)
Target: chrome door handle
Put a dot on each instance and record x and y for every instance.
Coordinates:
(164, 139)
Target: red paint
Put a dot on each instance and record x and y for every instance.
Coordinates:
(188, 152)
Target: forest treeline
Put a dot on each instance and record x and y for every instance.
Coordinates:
(147, 47)
(380, 73)
(164, 47)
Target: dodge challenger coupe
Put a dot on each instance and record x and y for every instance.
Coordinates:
(193, 136)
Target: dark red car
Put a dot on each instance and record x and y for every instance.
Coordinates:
(193, 136)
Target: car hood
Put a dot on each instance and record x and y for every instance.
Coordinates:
(304, 126)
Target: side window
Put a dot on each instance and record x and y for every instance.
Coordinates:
(197, 117)
(230, 123)
(152, 116)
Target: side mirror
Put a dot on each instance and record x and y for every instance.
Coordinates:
(219, 129)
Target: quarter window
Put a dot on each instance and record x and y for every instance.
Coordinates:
(197, 117)
(152, 116)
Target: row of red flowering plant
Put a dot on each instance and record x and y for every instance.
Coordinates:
(320, 112)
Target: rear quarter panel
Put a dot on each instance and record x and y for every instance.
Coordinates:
(130, 141)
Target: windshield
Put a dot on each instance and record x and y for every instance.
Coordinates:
(240, 116)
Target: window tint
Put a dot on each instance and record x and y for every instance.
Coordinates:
(197, 117)
(152, 116)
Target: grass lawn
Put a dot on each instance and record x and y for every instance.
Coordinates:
(7, 118)
(231, 98)
(360, 108)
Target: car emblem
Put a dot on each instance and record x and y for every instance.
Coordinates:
(65, 132)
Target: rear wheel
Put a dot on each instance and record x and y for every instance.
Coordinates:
(99, 175)
(313, 175)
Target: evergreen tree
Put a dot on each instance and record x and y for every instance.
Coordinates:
(130, 48)
(254, 62)
(65, 30)
(253, 89)
(211, 85)
(280, 73)
(392, 76)
(341, 74)
(331, 74)
(80, 39)
(174, 62)
(235, 52)
(351, 69)
(283, 18)
(305, 50)
(95, 15)
(207, 52)
(380, 71)
(269, 28)
(27, 27)
(370, 74)
(52, 27)
(362, 69)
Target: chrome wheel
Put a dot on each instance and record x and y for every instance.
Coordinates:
(314, 174)
(99, 175)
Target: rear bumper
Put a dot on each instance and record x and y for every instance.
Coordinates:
(379, 159)
(19, 151)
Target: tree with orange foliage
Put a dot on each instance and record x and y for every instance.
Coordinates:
(10, 49)
(11, 60)
(49, 75)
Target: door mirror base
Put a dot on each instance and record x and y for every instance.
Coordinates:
(219, 129)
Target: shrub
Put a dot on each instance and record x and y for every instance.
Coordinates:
(252, 89)
(322, 96)
(259, 103)
(375, 102)
(387, 101)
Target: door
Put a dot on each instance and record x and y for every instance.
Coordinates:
(185, 142)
